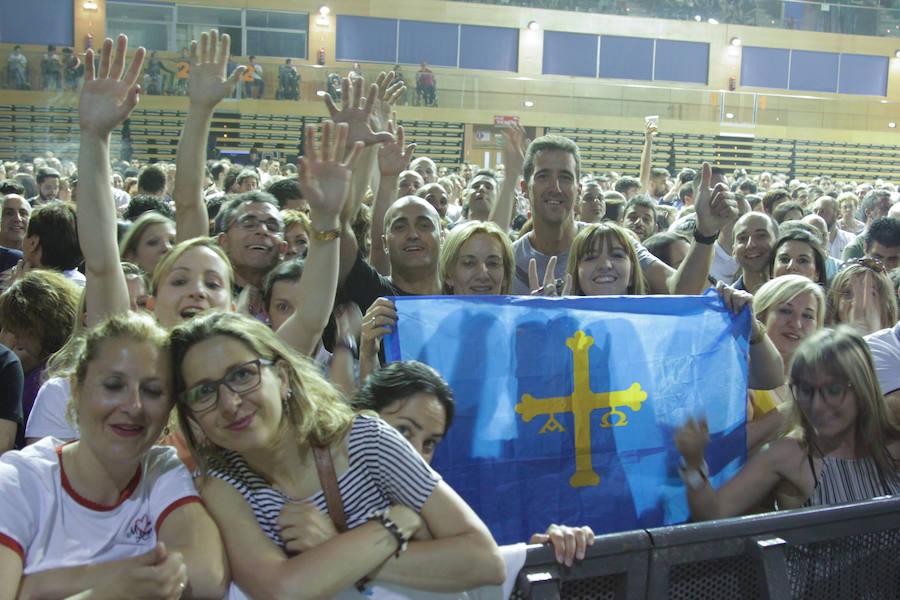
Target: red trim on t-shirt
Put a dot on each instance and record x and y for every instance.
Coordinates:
(178, 503)
(129, 489)
(13, 545)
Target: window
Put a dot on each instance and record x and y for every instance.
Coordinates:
(273, 33)
(194, 20)
(147, 25)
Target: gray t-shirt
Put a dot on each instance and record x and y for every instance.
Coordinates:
(523, 252)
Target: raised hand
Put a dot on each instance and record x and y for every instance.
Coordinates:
(303, 526)
(716, 207)
(549, 287)
(356, 114)
(389, 93)
(569, 543)
(324, 180)
(691, 440)
(393, 159)
(513, 149)
(106, 97)
(209, 63)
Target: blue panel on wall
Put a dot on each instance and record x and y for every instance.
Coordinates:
(863, 74)
(367, 39)
(31, 23)
(570, 54)
(765, 67)
(681, 61)
(626, 57)
(491, 48)
(435, 43)
(814, 71)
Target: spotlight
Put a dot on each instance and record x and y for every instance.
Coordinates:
(528, 103)
(892, 124)
(729, 115)
(897, 53)
(735, 41)
(533, 25)
(324, 10)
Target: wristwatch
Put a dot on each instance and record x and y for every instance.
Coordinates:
(693, 478)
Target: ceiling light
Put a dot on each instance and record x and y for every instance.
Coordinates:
(528, 103)
(698, 18)
(735, 41)
(897, 53)
(729, 115)
(712, 21)
(533, 25)
(892, 124)
(324, 10)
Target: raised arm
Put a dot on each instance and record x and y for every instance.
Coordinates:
(392, 160)
(766, 366)
(513, 159)
(646, 158)
(106, 100)
(209, 85)
(324, 181)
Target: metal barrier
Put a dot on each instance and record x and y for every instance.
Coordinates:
(839, 552)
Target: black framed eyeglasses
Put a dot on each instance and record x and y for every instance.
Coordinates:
(251, 222)
(832, 393)
(240, 379)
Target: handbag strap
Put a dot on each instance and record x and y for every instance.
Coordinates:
(328, 479)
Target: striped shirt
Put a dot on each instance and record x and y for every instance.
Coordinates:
(384, 470)
(850, 480)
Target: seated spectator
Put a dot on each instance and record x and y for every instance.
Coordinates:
(863, 297)
(37, 315)
(298, 410)
(798, 252)
(844, 445)
(113, 491)
(147, 241)
(155, 75)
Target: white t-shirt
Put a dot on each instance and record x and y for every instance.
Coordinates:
(841, 241)
(723, 265)
(50, 526)
(48, 415)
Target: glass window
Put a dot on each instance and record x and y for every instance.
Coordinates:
(268, 19)
(185, 33)
(210, 17)
(139, 12)
(263, 42)
(148, 25)
(152, 36)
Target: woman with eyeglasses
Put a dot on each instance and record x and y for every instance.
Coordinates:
(844, 446)
(862, 296)
(255, 416)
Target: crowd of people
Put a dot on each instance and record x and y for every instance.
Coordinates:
(194, 401)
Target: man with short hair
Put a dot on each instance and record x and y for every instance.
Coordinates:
(551, 169)
(754, 239)
(658, 184)
(882, 241)
(408, 182)
(426, 169)
(874, 206)
(13, 222)
(773, 198)
(640, 216)
(51, 240)
(152, 181)
(47, 180)
(627, 186)
(838, 239)
(591, 207)
(287, 192)
(483, 195)
(250, 232)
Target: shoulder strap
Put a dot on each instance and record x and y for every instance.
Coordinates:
(328, 479)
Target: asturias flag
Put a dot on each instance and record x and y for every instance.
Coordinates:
(566, 406)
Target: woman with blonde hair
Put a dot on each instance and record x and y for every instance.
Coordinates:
(862, 295)
(259, 419)
(147, 240)
(476, 258)
(844, 447)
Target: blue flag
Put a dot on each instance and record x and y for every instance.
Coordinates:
(566, 406)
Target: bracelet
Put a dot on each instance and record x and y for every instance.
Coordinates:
(382, 517)
(348, 343)
(693, 478)
(326, 236)
(703, 239)
(760, 333)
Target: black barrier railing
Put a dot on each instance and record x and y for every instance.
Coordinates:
(842, 552)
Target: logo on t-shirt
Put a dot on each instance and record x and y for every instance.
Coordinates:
(140, 530)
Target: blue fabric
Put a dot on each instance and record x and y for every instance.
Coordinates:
(515, 464)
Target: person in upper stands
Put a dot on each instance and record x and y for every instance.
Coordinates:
(787, 211)
(11, 383)
(797, 251)
(844, 446)
(640, 217)
(426, 169)
(627, 186)
(16, 211)
(874, 206)
(426, 86)
(552, 167)
(862, 296)
(255, 88)
(829, 209)
(51, 69)
(848, 222)
(72, 68)
(591, 207)
(147, 241)
(47, 180)
(18, 69)
(51, 241)
(287, 192)
(37, 316)
(132, 510)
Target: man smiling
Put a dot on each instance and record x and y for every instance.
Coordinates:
(251, 233)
